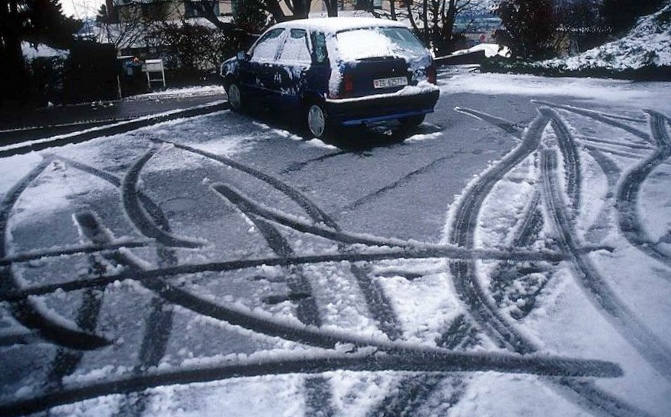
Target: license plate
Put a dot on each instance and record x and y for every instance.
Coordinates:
(390, 82)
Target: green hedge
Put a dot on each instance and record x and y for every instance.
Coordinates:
(648, 73)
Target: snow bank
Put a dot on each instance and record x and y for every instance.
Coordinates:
(648, 44)
(31, 52)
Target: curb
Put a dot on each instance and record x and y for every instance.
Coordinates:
(115, 129)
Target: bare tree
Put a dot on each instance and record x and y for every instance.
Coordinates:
(434, 20)
(298, 9)
(279, 10)
(128, 24)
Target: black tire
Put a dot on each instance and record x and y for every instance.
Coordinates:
(412, 121)
(235, 98)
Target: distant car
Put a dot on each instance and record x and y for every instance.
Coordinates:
(336, 72)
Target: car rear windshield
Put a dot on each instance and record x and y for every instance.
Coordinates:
(363, 43)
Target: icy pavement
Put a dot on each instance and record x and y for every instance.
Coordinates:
(165, 272)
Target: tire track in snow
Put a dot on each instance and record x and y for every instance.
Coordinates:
(138, 217)
(159, 322)
(297, 282)
(601, 117)
(410, 394)
(190, 269)
(66, 361)
(451, 251)
(462, 234)
(376, 300)
(313, 211)
(594, 287)
(502, 124)
(26, 310)
(612, 172)
(544, 372)
(298, 166)
(401, 181)
(69, 250)
(409, 351)
(158, 325)
(643, 146)
(629, 155)
(475, 297)
(570, 155)
(630, 188)
(377, 303)
(312, 363)
(317, 389)
(318, 397)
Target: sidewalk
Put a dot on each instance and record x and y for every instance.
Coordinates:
(61, 125)
(20, 125)
(110, 111)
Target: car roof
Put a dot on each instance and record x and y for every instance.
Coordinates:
(336, 24)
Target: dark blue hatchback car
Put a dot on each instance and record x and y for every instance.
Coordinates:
(336, 72)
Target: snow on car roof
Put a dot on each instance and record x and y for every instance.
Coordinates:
(335, 24)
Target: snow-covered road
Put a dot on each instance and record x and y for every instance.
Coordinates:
(512, 256)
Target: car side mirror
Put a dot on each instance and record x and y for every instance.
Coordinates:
(241, 56)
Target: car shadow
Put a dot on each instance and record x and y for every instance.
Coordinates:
(363, 138)
(351, 138)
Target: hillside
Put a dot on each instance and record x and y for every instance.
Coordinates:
(648, 44)
(644, 53)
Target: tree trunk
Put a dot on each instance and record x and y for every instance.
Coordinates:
(425, 19)
(332, 7)
(13, 72)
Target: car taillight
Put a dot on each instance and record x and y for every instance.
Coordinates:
(431, 74)
(347, 85)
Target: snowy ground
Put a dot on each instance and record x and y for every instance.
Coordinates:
(512, 257)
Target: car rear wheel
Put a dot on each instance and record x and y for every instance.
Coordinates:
(234, 97)
(317, 121)
(412, 121)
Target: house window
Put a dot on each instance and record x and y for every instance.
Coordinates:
(194, 8)
(154, 11)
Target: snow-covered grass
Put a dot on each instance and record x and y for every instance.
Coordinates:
(642, 54)
(648, 44)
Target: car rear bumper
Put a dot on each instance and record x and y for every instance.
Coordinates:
(349, 112)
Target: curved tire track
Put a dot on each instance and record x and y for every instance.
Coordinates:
(630, 188)
(475, 297)
(138, 217)
(594, 287)
(26, 311)
(601, 117)
(462, 234)
(158, 324)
